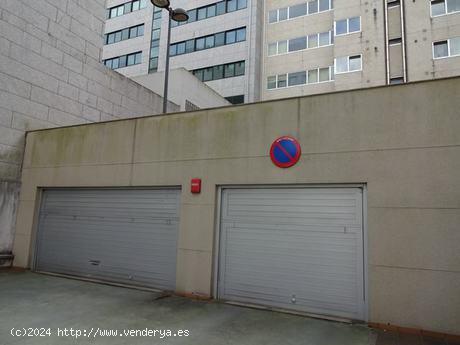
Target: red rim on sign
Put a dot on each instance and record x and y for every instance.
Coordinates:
(285, 152)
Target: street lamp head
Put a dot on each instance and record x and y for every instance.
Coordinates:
(179, 15)
(160, 3)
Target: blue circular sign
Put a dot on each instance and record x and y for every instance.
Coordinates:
(285, 152)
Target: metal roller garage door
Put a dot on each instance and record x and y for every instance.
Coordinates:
(293, 248)
(120, 235)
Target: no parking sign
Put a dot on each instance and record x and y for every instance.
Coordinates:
(285, 152)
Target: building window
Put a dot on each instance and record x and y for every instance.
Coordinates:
(124, 60)
(228, 70)
(347, 64)
(442, 7)
(272, 49)
(212, 10)
(297, 78)
(125, 34)
(298, 10)
(155, 42)
(302, 9)
(347, 26)
(235, 99)
(126, 8)
(207, 42)
(301, 43)
(231, 5)
(281, 81)
(273, 16)
(297, 44)
(311, 76)
(271, 82)
(446, 48)
(396, 80)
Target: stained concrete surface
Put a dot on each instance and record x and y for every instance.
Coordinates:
(36, 300)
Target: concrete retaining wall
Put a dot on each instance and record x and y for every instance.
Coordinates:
(402, 141)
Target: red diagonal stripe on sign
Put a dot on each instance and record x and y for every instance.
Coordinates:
(284, 151)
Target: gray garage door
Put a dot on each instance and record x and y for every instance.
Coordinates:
(120, 235)
(293, 248)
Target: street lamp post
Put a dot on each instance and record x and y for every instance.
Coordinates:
(178, 15)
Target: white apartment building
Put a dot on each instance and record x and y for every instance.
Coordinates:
(221, 43)
(321, 46)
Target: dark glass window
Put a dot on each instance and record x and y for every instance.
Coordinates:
(133, 32)
(231, 5)
(199, 74)
(281, 80)
(173, 50)
(207, 74)
(241, 35)
(201, 13)
(191, 16)
(230, 37)
(138, 57)
(200, 42)
(125, 34)
(128, 7)
(211, 11)
(220, 8)
(118, 36)
(156, 34)
(153, 63)
(218, 72)
(219, 39)
(189, 46)
(313, 7)
(209, 42)
(110, 38)
(438, 7)
(156, 24)
(235, 99)
(242, 4)
(180, 48)
(297, 44)
(122, 61)
(298, 10)
(341, 27)
(354, 24)
(140, 30)
(229, 70)
(298, 78)
(440, 49)
(154, 51)
(282, 14)
(131, 59)
(323, 5)
(239, 68)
